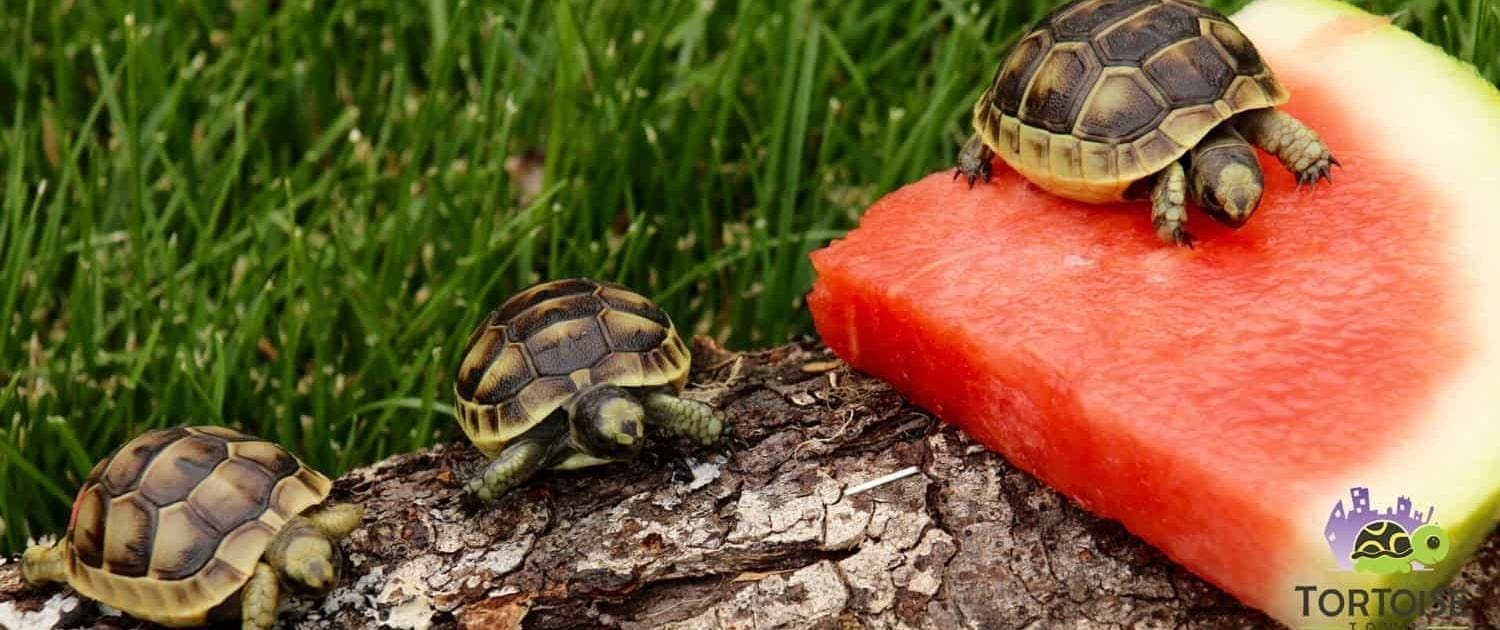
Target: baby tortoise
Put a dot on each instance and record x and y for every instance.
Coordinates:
(192, 525)
(563, 376)
(1113, 100)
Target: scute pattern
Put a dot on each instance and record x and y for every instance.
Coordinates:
(122, 473)
(1111, 72)
(547, 343)
(152, 523)
(1190, 73)
(1016, 72)
(128, 535)
(573, 344)
(177, 557)
(1122, 106)
(1238, 48)
(1059, 86)
(632, 333)
(183, 465)
(1125, 42)
(504, 376)
(1079, 20)
(525, 325)
(537, 294)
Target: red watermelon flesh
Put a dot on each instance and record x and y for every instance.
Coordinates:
(1220, 401)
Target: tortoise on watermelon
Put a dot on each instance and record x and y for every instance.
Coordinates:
(1385, 547)
(190, 525)
(565, 374)
(1115, 100)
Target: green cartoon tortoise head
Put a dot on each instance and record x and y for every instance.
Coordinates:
(1429, 545)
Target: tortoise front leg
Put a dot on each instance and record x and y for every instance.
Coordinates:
(338, 520)
(260, 599)
(1169, 205)
(1296, 145)
(517, 463)
(974, 160)
(688, 418)
(40, 565)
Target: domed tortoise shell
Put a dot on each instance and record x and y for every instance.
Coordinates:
(1104, 93)
(552, 341)
(1382, 539)
(174, 521)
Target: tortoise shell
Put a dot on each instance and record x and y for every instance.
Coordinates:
(173, 522)
(1104, 93)
(552, 341)
(1382, 539)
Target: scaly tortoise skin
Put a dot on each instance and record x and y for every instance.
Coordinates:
(536, 370)
(1101, 96)
(174, 523)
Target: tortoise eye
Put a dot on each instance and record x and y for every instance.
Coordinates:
(1433, 542)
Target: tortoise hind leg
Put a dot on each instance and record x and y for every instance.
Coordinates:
(974, 160)
(1293, 143)
(40, 565)
(1169, 205)
(514, 465)
(259, 600)
(687, 418)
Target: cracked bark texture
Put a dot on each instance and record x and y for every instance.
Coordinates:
(763, 538)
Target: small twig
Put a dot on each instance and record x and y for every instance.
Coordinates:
(736, 364)
(882, 480)
(819, 367)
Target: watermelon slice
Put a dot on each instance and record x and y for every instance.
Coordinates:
(1222, 401)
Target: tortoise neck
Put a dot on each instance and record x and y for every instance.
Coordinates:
(305, 559)
(40, 565)
(594, 396)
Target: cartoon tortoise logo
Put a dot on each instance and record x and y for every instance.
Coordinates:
(1386, 547)
(1370, 540)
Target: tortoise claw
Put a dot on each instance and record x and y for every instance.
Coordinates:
(1319, 171)
(1184, 239)
(974, 161)
(973, 173)
(728, 443)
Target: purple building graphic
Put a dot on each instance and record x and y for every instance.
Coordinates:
(1343, 527)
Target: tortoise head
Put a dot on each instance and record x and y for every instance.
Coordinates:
(44, 563)
(1429, 545)
(608, 423)
(1234, 195)
(306, 560)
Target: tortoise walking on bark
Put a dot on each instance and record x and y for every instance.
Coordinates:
(565, 374)
(189, 525)
(1105, 100)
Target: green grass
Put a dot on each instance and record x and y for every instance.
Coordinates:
(288, 220)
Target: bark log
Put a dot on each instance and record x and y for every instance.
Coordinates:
(768, 537)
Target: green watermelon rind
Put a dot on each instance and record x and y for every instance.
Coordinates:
(1437, 111)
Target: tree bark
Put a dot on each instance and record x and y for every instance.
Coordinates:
(771, 536)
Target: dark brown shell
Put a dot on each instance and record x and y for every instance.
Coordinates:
(1105, 92)
(1382, 539)
(174, 521)
(549, 342)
